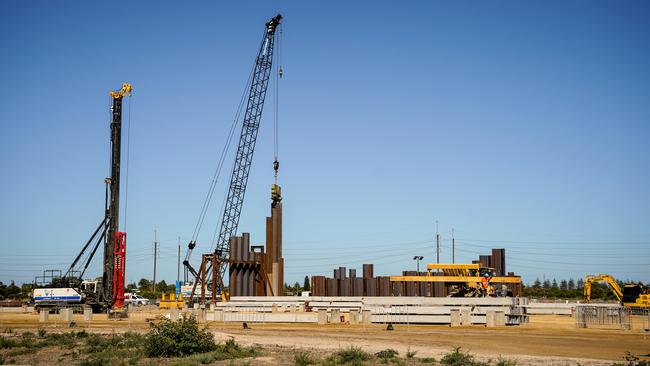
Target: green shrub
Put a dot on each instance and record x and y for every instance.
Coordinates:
(387, 354)
(228, 350)
(65, 340)
(352, 355)
(505, 362)
(631, 360)
(8, 342)
(42, 332)
(459, 358)
(428, 360)
(411, 354)
(303, 359)
(178, 338)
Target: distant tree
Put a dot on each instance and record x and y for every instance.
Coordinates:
(580, 284)
(554, 285)
(563, 285)
(546, 285)
(571, 285)
(12, 291)
(306, 285)
(144, 285)
(537, 284)
(26, 290)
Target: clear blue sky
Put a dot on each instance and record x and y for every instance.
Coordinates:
(522, 125)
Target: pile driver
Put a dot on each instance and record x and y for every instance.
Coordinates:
(69, 290)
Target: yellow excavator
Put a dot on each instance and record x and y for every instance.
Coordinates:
(631, 295)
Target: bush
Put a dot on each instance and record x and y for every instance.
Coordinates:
(224, 351)
(178, 338)
(428, 360)
(505, 362)
(411, 354)
(386, 354)
(353, 355)
(459, 358)
(303, 359)
(8, 343)
(631, 360)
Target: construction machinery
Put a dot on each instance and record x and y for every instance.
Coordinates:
(55, 289)
(241, 168)
(465, 280)
(631, 295)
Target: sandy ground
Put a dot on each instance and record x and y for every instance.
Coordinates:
(546, 340)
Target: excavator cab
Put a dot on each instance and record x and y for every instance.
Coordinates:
(632, 292)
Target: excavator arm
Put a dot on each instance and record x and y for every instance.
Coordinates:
(590, 279)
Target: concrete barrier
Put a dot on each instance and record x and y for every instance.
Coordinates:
(335, 316)
(396, 310)
(455, 318)
(354, 316)
(88, 315)
(66, 315)
(43, 315)
(366, 317)
(322, 316)
(466, 316)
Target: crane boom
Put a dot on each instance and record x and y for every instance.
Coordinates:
(244, 155)
(247, 139)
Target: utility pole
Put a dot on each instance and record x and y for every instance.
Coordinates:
(178, 271)
(453, 247)
(155, 255)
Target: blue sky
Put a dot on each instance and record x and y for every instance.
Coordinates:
(521, 125)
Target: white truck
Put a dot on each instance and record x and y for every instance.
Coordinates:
(135, 299)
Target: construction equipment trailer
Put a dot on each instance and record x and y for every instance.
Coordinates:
(243, 159)
(54, 289)
(466, 280)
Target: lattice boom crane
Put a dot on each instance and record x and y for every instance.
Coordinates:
(244, 156)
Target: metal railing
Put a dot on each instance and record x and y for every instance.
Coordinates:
(607, 316)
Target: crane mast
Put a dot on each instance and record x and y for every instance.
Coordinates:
(244, 155)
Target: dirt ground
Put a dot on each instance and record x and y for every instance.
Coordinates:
(546, 340)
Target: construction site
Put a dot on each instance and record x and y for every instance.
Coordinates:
(237, 289)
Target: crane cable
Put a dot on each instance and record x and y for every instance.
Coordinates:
(278, 75)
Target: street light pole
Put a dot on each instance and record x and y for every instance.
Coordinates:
(418, 258)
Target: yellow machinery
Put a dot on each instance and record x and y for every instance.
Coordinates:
(468, 280)
(170, 301)
(631, 295)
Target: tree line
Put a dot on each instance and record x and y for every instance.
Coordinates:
(568, 289)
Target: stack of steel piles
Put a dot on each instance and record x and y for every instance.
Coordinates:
(274, 264)
(245, 265)
(258, 272)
